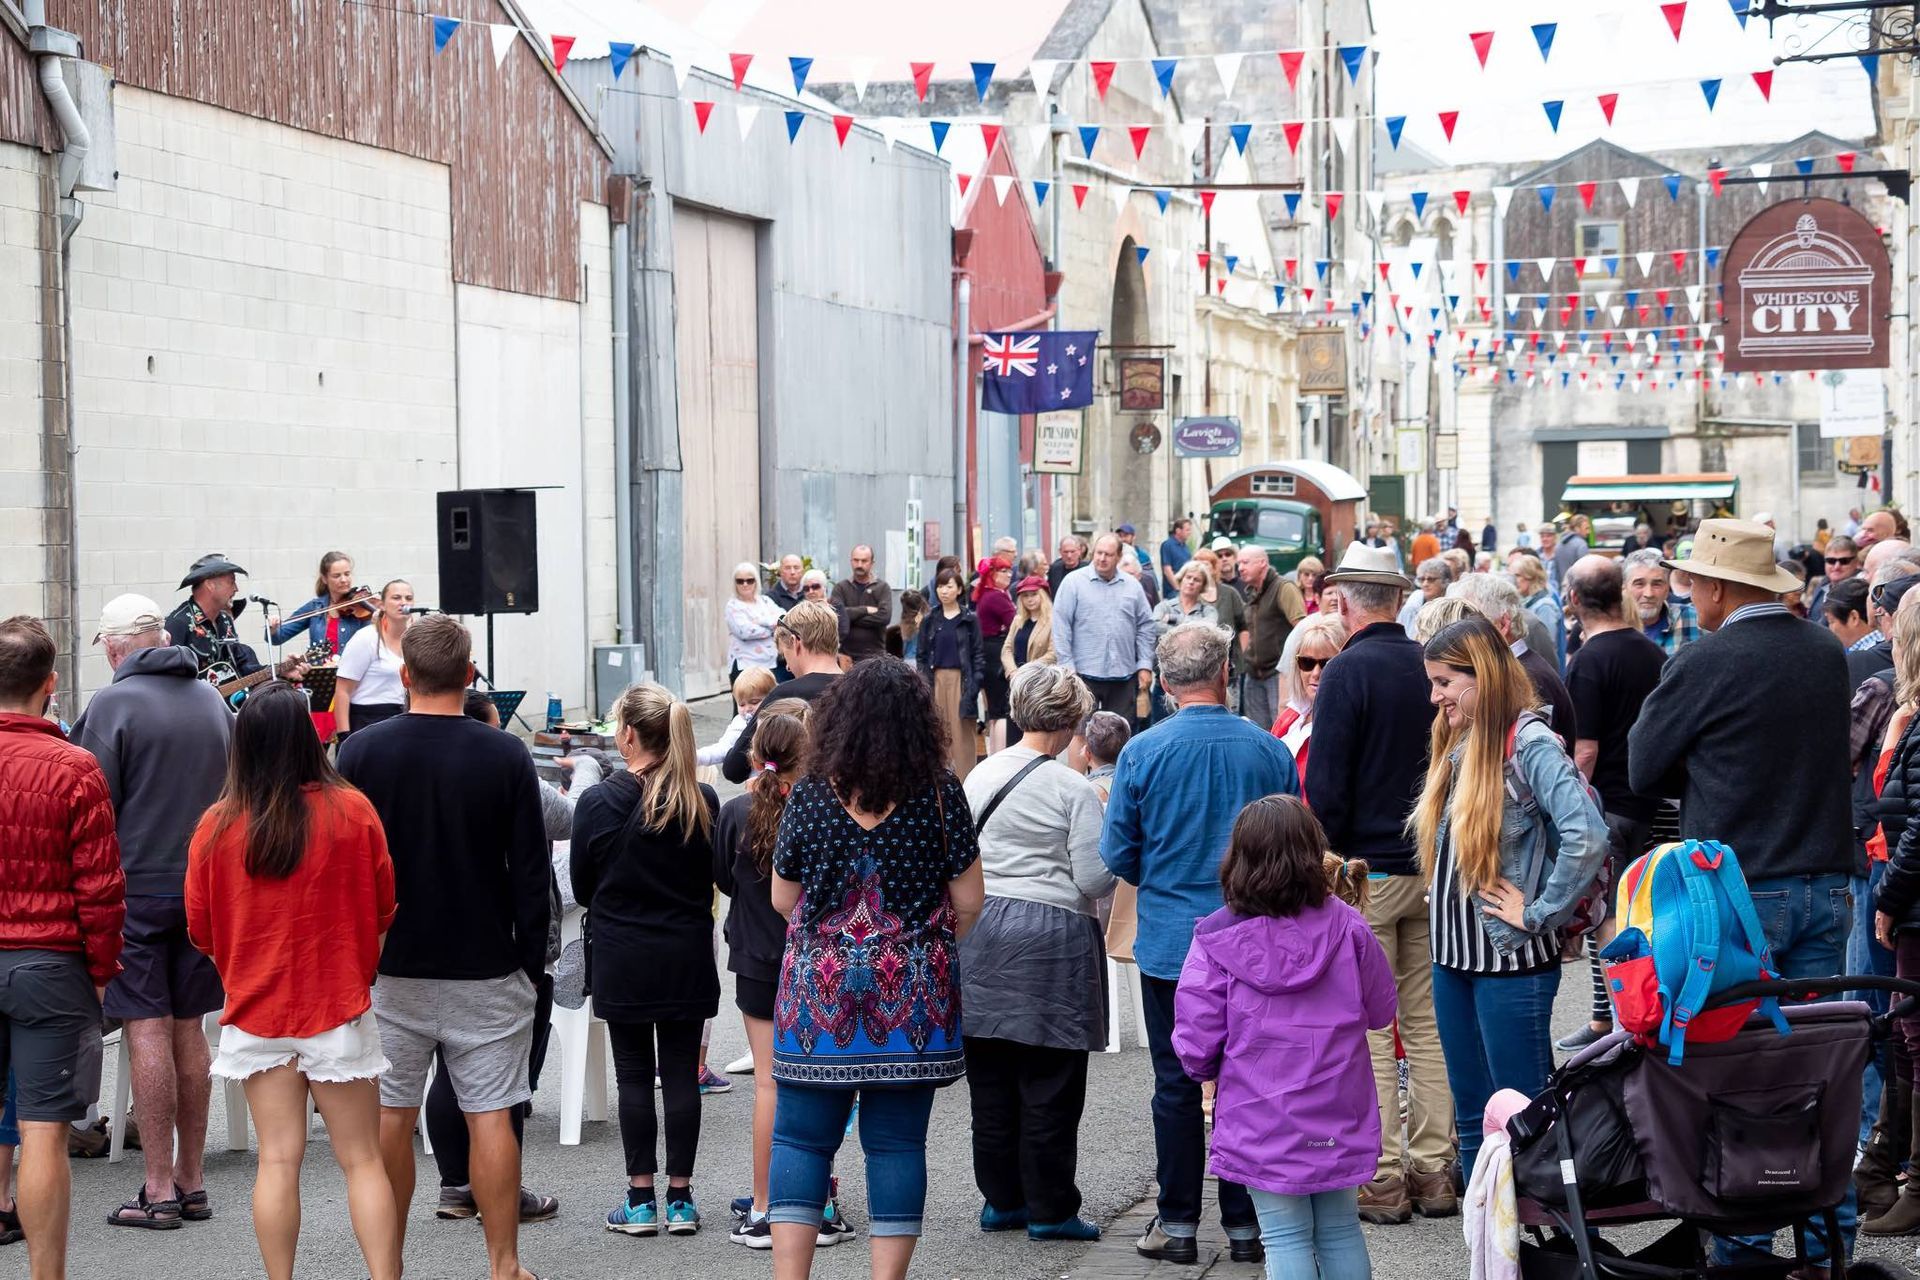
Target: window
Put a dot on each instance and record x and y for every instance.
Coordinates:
(1273, 485)
(1594, 241)
(1282, 526)
(1815, 453)
(1443, 237)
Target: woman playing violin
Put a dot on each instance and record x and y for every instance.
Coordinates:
(368, 688)
(338, 609)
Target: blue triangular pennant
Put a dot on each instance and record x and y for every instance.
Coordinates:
(1804, 164)
(1710, 89)
(1513, 270)
(1713, 259)
(1233, 260)
(1140, 254)
(1089, 134)
(1612, 264)
(800, 68)
(1543, 36)
(1740, 12)
(1163, 69)
(1355, 308)
(1320, 266)
(794, 120)
(1279, 295)
(1366, 297)
(1546, 197)
(1633, 297)
(982, 77)
(1292, 199)
(1040, 190)
(443, 29)
(1673, 186)
(1395, 124)
(1352, 54)
(1453, 302)
(1416, 264)
(1162, 198)
(1419, 201)
(1240, 133)
(939, 130)
(1553, 110)
(1870, 63)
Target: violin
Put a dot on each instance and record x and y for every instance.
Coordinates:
(361, 603)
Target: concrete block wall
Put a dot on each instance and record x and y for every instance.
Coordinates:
(23, 555)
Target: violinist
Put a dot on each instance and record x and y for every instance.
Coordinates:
(367, 688)
(337, 611)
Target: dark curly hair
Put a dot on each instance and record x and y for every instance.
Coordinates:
(877, 739)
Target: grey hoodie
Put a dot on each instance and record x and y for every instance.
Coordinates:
(160, 734)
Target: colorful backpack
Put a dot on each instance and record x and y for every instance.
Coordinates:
(1687, 930)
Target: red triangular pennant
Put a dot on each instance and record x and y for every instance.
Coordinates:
(1448, 119)
(1715, 177)
(1204, 258)
(1290, 63)
(1139, 133)
(702, 112)
(1608, 101)
(841, 124)
(1220, 286)
(1845, 160)
(1102, 77)
(1482, 42)
(1480, 270)
(1206, 201)
(1587, 190)
(1292, 129)
(1307, 292)
(965, 180)
(1079, 195)
(741, 61)
(1460, 199)
(990, 135)
(1292, 265)
(922, 77)
(562, 46)
(1763, 81)
(1676, 14)
(1579, 266)
(1333, 204)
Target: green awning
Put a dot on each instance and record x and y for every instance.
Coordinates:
(1649, 492)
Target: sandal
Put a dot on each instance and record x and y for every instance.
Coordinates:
(149, 1215)
(193, 1204)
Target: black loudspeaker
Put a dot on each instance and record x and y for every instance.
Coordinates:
(489, 552)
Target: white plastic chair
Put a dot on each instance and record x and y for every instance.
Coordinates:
(582, 1040)
(235, 1093)
(1113, 1003)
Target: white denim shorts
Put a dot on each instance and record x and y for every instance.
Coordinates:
(351, 1051)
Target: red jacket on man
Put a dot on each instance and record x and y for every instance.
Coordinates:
(61, 888)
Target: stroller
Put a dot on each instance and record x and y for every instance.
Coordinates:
(1747, 1137)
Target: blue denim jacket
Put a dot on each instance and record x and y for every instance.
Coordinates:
(1552, 854)
(315, 628)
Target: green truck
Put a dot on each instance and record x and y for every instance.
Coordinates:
(1290, 510)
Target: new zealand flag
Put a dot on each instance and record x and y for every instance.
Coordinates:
(1037, 371)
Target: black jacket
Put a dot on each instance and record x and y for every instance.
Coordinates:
(756, 933)
(1371, 724)
(1899, 805)
(972, 656)
(739, 761)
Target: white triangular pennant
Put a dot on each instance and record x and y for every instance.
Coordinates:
(860, 72)
(1693, 294)
(1645, 262)
(1630, 188)
(682, 66)
(1695, 309)
(1119, 193)
(1191, 136)
(1546, 268)
(1227, 65)
(890, 128)
(1342, 128)
(1706, 331)
(1720, 344)
(1035, 138)
(743, 117)
(1040, 71)
(1376, 201)
(1539, 316)
(504, 34)
(1002, 183)
(1633, 337)
(1502, 197)
(1618, 313)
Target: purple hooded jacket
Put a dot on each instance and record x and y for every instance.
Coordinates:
(1277, 1011)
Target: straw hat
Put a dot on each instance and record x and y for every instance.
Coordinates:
(1363, 563)
(1736, 551)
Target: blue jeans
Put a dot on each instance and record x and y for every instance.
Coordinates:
(1866, 955)
(808, 1126)
(1807, 919)
(1308, 1237)
(1496, 1033)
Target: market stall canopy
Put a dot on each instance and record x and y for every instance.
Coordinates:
(1713, 486)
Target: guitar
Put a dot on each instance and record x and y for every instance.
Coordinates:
(233, 687)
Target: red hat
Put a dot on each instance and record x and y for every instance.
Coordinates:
(1032, 582)
(990, 565)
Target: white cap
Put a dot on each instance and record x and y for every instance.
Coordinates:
(129, 615)
(1221, 543)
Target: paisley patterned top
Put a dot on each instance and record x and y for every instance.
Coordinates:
(869, 989)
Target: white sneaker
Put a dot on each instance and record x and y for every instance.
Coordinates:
(742, 1066)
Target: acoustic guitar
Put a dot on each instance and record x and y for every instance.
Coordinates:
(233, 688)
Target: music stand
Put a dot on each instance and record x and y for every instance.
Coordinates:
(506, 702)
(320, 687)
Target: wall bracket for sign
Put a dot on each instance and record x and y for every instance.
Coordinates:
(1891, 36)
(1899, 182)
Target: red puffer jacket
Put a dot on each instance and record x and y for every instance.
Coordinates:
(60, 883)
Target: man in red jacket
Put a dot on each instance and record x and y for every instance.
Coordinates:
(62, 903)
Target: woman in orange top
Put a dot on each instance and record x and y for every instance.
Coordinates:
(290, 890)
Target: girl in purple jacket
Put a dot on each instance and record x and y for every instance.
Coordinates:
(1278, 993)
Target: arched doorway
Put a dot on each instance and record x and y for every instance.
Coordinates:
(1129, 474)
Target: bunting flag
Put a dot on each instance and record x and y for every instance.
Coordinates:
(1461, 199)
(1845, 160)
(1163, 69)
(1139, 133)
(1162, 197)
(1448, 119)
(1292, 200)
(1482, 45)
(794, 120)
(1673, 186)
(1002, 183)
(1333, 199)
(1711, 89)
(922, 78)
(1716, 177)
(562, 46)
(1290, 63)
(989, 138)
(1395, 126)
(1804, 164)
(1543, 36)
(938, 129)
(1102, 77)
(743, 117)
(1227, 67)
(443, 29)
(1353, 55)
(965, 180)
(1553, 110)
(800, 67)
(860, 72)
(740, 61)
(1502, 197)
(982, 77)
(1630, 188)
(1587, 190)
(843, 124)
(1419, 202)
(619, 53)
(504, 35)
(1607, 103)
(1763, 81)
(1206, 203)
(1079, 195)
(1140, 254)
(1870, 63)
(1040, 71)
(1546, 198)
(702, 112)
(1040, 190)
(1240, 133)
(1740, 12)
(1675, 14)
(1089, 134)
(1292, 129)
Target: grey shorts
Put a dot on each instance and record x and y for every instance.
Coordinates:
(483, 1030)
(47, 1011)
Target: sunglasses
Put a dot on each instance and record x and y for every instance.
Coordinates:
(1304, 663)
(814, 586)
(743, 582)
(1840, 559)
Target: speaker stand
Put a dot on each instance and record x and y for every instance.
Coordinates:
(482, 678)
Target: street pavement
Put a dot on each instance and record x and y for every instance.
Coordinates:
(1116, 1175)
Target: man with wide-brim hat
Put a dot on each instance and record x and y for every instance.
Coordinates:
(204, 621)
(1760, 697)
(1362, 563)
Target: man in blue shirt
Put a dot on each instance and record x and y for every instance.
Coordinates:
(1127, 535)
(1176, 791)
(1174, 554)
(1103, 629)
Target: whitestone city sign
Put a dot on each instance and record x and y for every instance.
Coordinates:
(1806, 286)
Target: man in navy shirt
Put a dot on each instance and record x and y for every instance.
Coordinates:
(1174, 554)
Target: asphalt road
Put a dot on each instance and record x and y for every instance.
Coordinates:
(1116, 1171)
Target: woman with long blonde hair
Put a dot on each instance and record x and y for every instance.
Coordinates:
(642, 866)
(1505, 865)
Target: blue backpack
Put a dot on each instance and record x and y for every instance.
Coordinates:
(1687, 930)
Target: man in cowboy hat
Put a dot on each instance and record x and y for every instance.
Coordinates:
(1762, 695)
(1372, 719)
(204, 621)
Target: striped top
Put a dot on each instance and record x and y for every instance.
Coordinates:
(1453, 917)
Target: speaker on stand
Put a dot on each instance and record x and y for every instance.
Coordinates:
(489, 556)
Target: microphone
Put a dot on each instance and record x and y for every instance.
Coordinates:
(263, 601)
(421, 608)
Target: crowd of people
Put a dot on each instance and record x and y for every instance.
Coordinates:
(1341, 819)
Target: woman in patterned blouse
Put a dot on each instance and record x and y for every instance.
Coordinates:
(877, 868)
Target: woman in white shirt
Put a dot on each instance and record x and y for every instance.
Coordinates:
(1308, 650)
(750, 622)
(367, 686)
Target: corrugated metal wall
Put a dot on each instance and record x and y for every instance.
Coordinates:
(522, 160)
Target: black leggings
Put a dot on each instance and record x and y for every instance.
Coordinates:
(678, 1064)
(448, 1128)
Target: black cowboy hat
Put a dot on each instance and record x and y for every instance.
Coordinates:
(211, 565)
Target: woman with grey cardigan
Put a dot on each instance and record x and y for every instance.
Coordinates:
(1033, 969)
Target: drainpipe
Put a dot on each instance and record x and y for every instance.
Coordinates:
(962, 398)
(48, 45)
(622, 434)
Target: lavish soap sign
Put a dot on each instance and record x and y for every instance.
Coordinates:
(1806, 285)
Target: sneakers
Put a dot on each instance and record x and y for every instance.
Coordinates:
(458, 1202)
(91, 1142)
(1071, 1229)
(641, 1219)
(1575, 1041)
(740, 1206)
(740, 1066)
(682, 1218)
(1384, 1202)
(1432, 1193)
(1155, 1243)
(711, 1083)
(833, 1224)
(755, 1233)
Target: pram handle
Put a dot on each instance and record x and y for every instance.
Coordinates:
(1805, 988)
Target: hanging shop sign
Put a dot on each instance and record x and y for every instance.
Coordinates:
(1207, 438)
(1807, 287)
(1852, 403)
(1446, 453)
(1323, 362)
(1143, 384)
(1145, 438)
(1057, 441)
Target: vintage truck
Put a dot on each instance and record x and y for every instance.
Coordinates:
(1290, 510)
